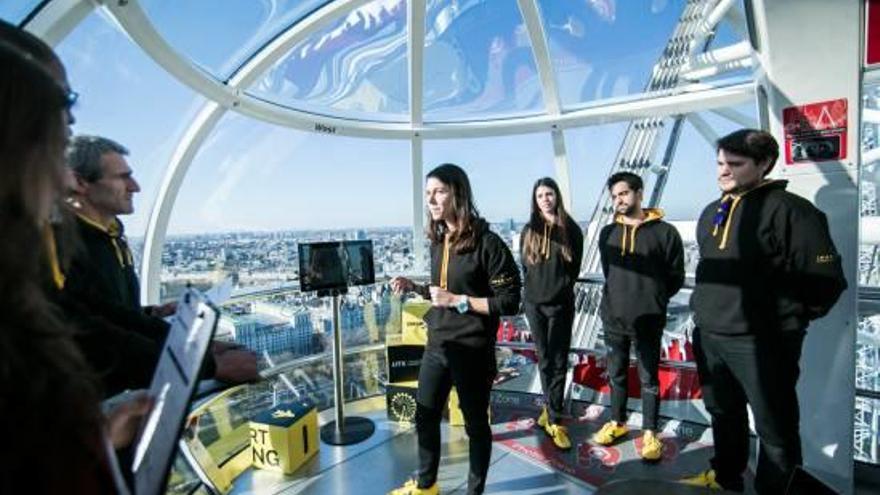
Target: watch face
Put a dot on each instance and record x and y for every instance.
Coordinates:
(403, 406)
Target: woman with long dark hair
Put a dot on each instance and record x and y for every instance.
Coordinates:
(551, 246)
(474, 280)
(48, 400)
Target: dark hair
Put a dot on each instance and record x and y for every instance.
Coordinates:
(531, 244)
(754, 143)
(36, 50)
(84, 155)
(464, 212)
(49, 404)
(632, 180)
(29, 45)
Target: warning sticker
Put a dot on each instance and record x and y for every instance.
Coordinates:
(815, 132)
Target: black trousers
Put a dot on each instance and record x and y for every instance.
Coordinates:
(761, 370)
(471, 370)
(647, 344)
(550, 325)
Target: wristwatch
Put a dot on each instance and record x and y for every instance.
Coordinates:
(462, 305)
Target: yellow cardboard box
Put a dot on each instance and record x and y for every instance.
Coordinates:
(284, 437)
(413, 328)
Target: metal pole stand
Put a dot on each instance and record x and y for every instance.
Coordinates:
(353, 429)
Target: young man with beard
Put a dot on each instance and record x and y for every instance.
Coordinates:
(643, 264)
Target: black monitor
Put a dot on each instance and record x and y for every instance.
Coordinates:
(359, 261)
(333, 266)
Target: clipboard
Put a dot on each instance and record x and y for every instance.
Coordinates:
(173, 386)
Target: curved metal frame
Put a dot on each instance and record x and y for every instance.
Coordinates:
(58, 17)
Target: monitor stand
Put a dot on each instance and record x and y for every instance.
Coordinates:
(343, 430)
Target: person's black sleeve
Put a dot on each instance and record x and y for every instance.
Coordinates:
(604, 234)
(577, 250)
(120, 358)
(674, 263)
(813, 263)
(504, 281)
(522, 251)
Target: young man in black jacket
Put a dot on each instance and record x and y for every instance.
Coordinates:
(767, 268)
(643, 264)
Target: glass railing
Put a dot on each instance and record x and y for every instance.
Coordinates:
(272, 323)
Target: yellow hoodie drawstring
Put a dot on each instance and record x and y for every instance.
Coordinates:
(545, 240)
(123, 254)
(650, 214)
(444, 264)
(725, 234)
(52, 252)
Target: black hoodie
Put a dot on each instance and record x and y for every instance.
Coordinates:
(766, 264)
(488, 270)
(643, 267)
(552, 278)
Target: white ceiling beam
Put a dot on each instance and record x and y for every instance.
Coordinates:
(541, 52)
(737, 21)
(262, 60)
(738, 118)
(157, 226)
(56, 19)
(707, 26)
(415, 20)
(703, 129)
(136, 23)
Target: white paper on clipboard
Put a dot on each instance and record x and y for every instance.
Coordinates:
(173, 385)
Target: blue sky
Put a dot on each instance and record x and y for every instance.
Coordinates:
(256, 176)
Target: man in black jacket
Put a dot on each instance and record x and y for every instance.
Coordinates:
(642, 272)
(767, 268)
(101, 278)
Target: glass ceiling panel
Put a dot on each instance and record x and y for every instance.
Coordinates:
(478, 62)
(606, 48)
(356, 67)
(14, 11)
(148, 116)
(227, 32)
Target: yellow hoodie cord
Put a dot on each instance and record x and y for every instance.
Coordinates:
(632, 239)
(545, 240)
(122, 255)
(726, 221)
(52, 253)
(650, 215)
(444, 264)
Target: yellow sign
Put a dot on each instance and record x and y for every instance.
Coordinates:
(413, 328)
(283, 439)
